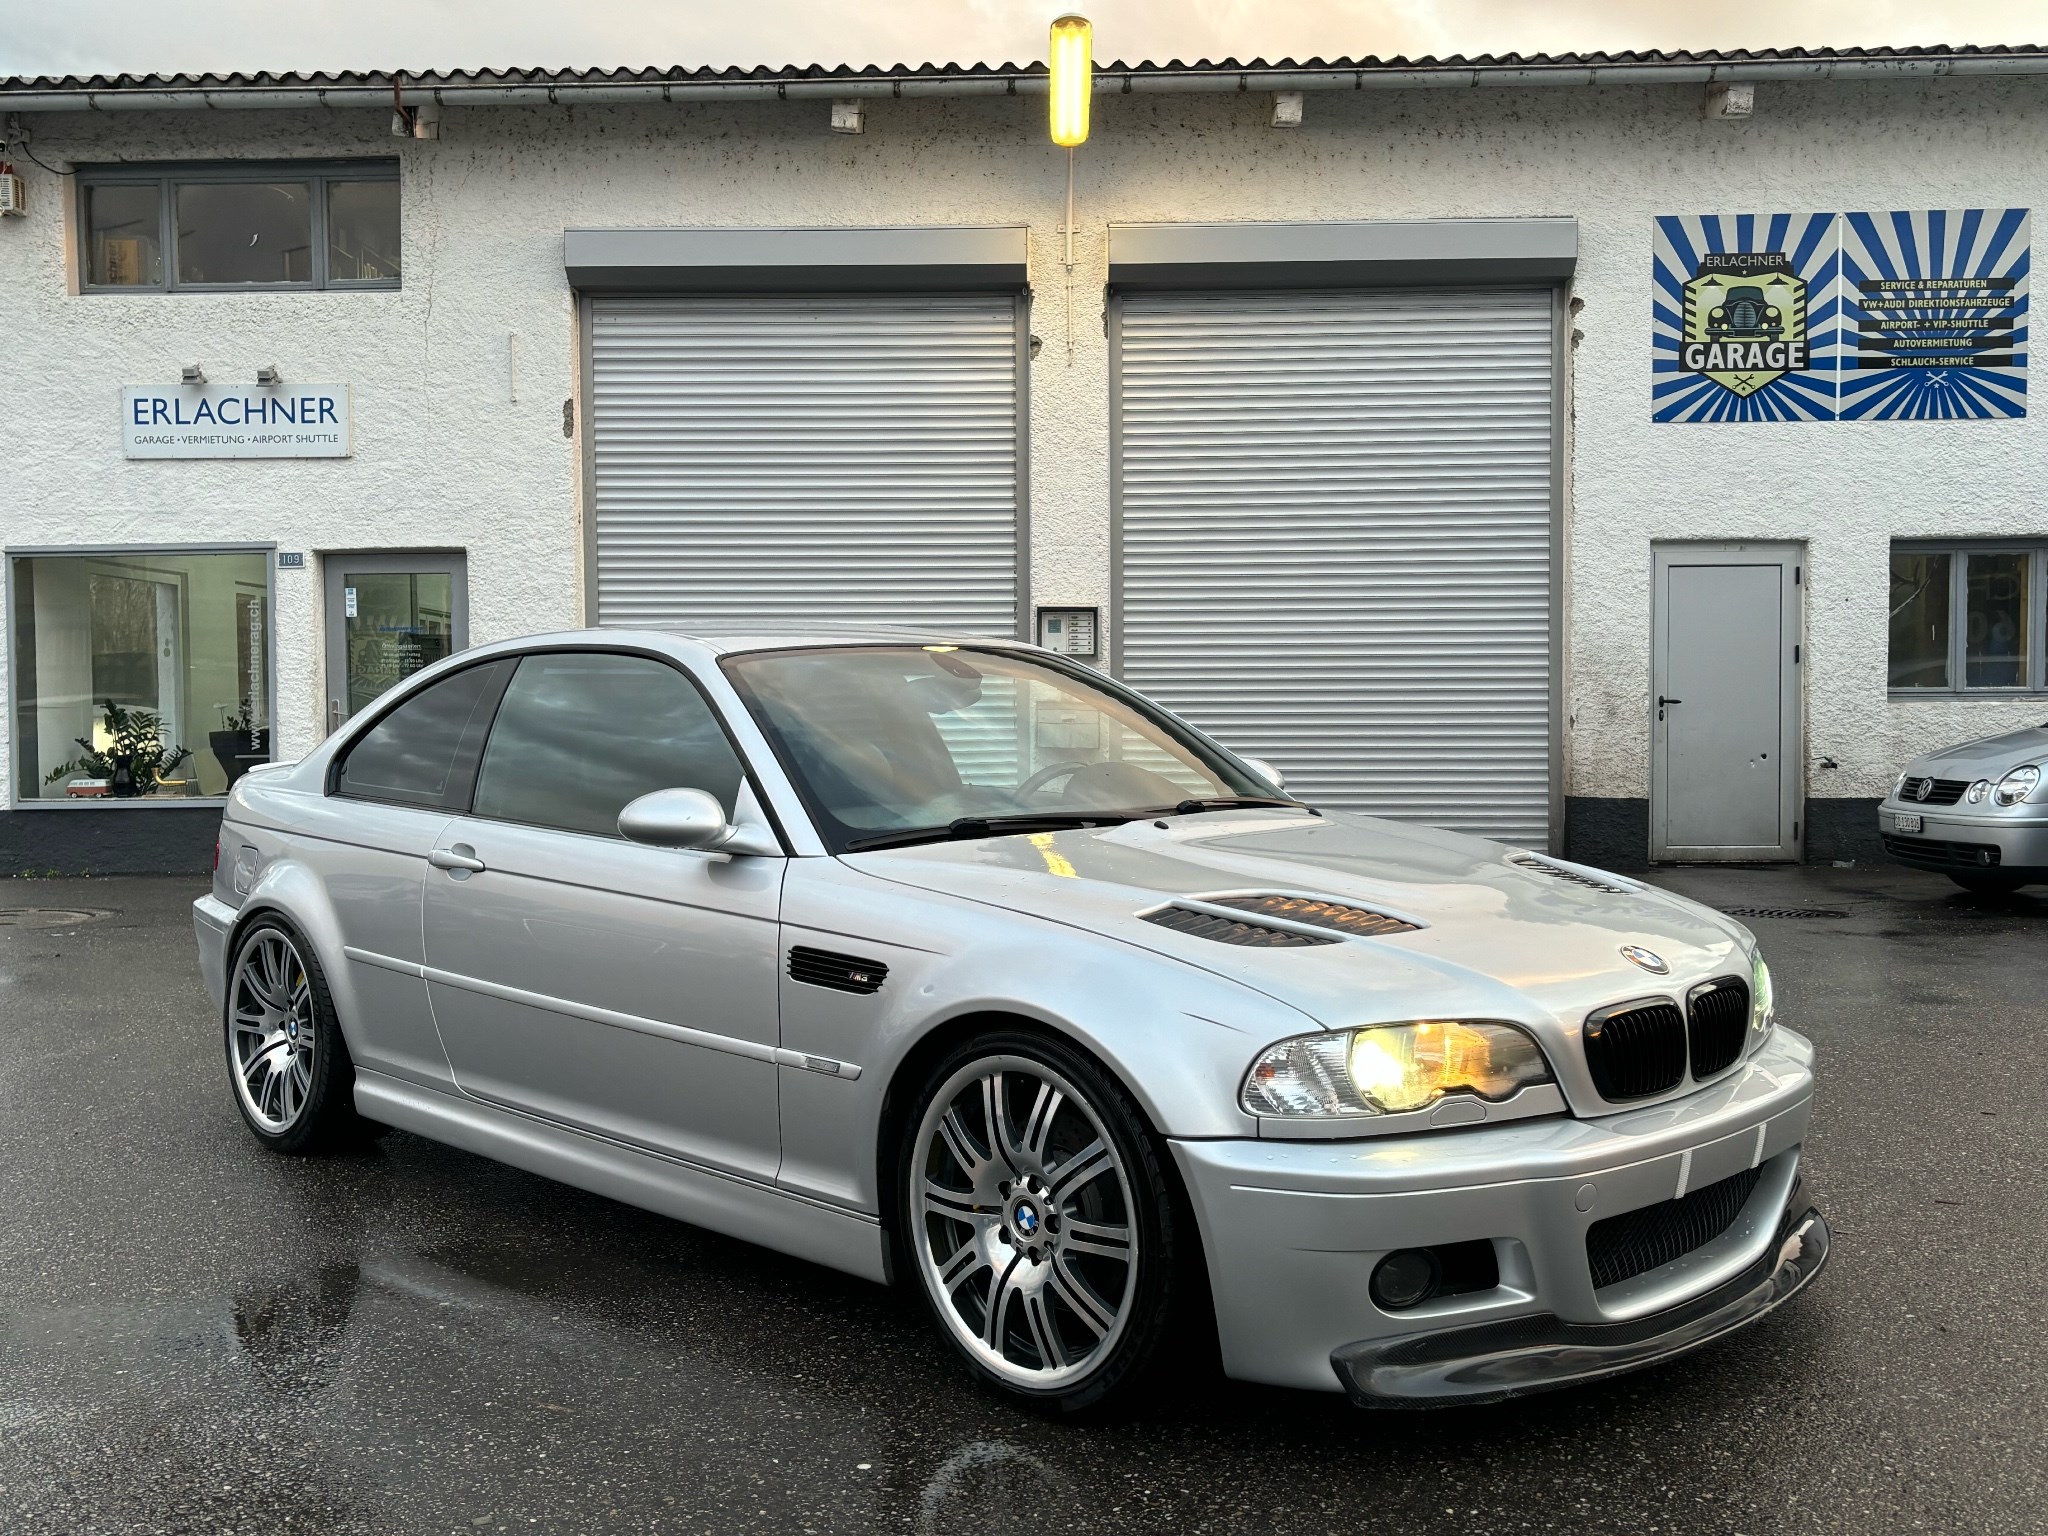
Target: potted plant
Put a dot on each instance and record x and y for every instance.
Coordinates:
(239, 742)
(136, 758)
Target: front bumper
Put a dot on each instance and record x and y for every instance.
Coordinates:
(1495, 1361)
(1293, 1230)
(1962, 839)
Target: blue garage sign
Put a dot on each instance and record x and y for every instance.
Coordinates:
(1849, 316)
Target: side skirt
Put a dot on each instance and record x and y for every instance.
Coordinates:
(737, 1207)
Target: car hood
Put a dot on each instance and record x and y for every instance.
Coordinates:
(1988, 757)
(1495, 939)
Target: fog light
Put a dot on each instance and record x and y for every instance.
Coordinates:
(1402, 1279)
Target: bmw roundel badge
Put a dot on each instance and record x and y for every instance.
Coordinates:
(1648, 959)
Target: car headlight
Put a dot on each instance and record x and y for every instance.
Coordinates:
(1899, 787)
(1763, 1004)
(1976, 792)
(1389, 1069)
(2017, 785)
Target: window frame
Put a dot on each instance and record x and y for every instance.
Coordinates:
(333, 787)
(1959, 552)
(739, 755)
(168, 176)
(14, 552)
(361, 724)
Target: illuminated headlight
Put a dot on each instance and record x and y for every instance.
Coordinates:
(1763, 1010)
(2017, 785)
(1390, 1069)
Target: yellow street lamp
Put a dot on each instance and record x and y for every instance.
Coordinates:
(1073, 79)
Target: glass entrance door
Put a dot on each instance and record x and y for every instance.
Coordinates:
(388, 615)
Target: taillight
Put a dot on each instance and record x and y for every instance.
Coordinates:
(216, 855)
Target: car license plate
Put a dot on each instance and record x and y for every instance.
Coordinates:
(1901, 822)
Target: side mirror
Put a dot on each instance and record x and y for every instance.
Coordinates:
(689, 818)
(1266, 771)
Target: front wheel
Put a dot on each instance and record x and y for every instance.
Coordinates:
(287, 1062)
(1041, 1222)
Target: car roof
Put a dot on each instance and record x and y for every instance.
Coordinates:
(777, 638)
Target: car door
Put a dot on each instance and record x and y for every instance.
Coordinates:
(625, 990)
(394, 789)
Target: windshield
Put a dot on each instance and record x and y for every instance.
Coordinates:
(884, 742)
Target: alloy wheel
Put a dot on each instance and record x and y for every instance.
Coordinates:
(1024, 1230)
(271, 1036)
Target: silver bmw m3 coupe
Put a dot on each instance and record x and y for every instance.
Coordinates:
(950, 962)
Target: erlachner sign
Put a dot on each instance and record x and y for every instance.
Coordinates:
(217, 421)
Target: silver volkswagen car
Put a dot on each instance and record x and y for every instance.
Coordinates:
(1977, 812)
(948, 961)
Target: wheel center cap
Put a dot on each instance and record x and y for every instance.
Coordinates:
(292, 1029)
(1026, 1220)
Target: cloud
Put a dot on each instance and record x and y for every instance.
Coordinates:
(42, 37)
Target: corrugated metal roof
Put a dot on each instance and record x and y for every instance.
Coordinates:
(458, 79)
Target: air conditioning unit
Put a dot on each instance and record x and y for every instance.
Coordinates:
(13, 195)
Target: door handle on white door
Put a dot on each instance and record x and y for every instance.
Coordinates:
(1662, 701)
(460, 861)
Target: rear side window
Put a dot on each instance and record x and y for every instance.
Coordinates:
(425, 752)
(581, 734)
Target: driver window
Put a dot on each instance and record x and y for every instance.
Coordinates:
(581, 734)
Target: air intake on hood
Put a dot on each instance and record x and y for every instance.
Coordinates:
(1559, 872)
(1224, 930)
(1318, 914)
(842, 973)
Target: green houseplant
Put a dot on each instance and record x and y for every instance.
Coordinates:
(136, 756)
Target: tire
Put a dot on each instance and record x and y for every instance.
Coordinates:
(1987, 884)
(288, 1066)
(1063, 1217)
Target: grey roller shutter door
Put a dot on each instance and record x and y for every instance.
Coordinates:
(1336, 526)
(788, 461)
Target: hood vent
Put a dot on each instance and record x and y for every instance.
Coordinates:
(842, 973)
(1224, 930)
(1318, 914)
(1559, 872)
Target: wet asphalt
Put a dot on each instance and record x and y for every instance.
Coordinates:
(196, 1336)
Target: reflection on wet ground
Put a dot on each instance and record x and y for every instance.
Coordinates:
(197, 1337)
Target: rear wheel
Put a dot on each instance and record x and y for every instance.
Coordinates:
(1041, 1220)
(1988, 884)
(287, 1062)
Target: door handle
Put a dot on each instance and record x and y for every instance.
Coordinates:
(459, 861)
(1662, 701)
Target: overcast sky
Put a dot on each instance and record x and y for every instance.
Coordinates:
(90, 36)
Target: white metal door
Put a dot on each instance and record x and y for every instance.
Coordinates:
(783, 461)
(1725, 716)
(1336, 514)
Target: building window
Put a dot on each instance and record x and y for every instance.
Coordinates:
(139, 675)
(1969, 618)
(221, 228)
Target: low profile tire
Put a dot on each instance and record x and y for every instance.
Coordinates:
(1042, 1222)
(1988, 885)
(288, 1065)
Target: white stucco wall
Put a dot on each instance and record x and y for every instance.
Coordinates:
(444, 456)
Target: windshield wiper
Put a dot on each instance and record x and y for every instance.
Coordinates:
(962, 827)
(1231, 803)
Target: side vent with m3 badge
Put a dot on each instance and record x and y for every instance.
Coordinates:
(842, 973)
